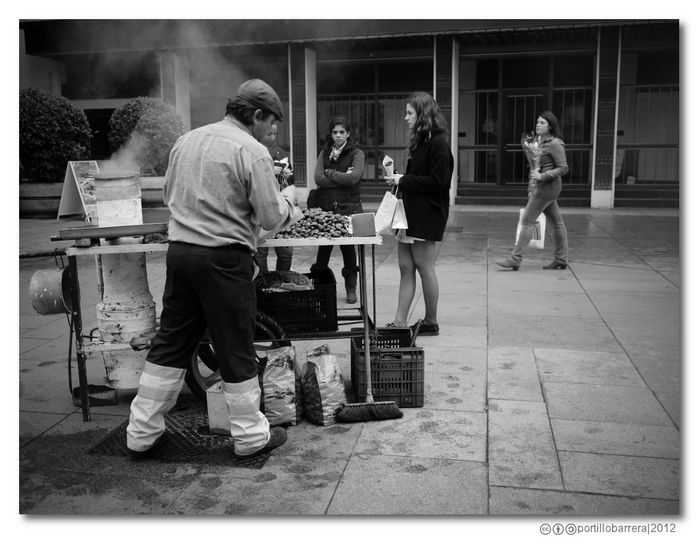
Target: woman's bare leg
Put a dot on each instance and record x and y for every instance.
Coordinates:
(406, 289)
(424, 258)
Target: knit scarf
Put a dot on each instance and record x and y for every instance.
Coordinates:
(335, 154)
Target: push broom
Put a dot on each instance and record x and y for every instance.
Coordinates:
(356, 412)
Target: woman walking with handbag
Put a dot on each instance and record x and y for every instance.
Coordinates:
(339, 170)
(544, 189)
(424, 189)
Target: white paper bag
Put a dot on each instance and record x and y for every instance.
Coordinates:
(539, 230)
(400, 220)
(383, 219)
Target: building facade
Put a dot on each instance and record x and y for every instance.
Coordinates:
(614, 84)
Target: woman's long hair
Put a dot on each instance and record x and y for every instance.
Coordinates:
(429, 119)
(329, 142)
(553, 123)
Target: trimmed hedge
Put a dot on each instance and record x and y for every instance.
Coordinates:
(52, 132)
(147, 129)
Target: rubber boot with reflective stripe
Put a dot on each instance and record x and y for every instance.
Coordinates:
(158, 389)
(249, 426)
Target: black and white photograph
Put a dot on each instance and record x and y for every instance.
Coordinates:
(346, 268)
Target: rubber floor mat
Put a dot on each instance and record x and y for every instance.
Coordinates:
(189, 441)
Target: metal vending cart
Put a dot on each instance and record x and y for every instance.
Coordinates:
(87, 244)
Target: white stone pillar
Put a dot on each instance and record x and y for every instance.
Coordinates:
(311, 116)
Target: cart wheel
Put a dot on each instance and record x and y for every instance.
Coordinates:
(203, 367)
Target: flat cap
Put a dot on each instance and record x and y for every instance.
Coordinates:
(259, 94)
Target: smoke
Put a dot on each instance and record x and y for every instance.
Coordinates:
(126, 159)
(215, 73)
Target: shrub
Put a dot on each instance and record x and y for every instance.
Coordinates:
(52, 132)
(145, 129)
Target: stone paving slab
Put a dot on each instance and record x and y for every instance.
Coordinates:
(558, 304)
(32, 321)
(521, 450)
(51, 329)
(629, 439)
(43, 382)
(645, 330)
(672, 404)
(646, 303)
(587, 251)
(443, 434)
(673, 275)
(286, 485)
(32, 424)
(469, 261)
(604, 403)
(37, 349)
(459, 336)
(530, 277)
(618, 273)
(623, 280)
(621, 475)
(454, 360)
(518, 329)
(455, 314)
(312, 442)
(512, 374)
(512, 501)
(660, 367)
(396, 485)
(455, 391)
(62, 492)
(594, 368)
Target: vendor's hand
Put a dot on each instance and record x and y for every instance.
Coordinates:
(277, 170)
(536, 175)
(393, 179)
(287, 172)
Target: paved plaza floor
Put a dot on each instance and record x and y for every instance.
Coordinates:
(547, 393)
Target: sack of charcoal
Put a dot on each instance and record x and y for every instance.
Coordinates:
(323, 387)
(279, 386)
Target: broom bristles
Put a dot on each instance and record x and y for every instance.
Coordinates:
(368, 411)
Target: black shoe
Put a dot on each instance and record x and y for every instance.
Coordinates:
(508, 263)
(556, 265)
(277, 437)
(426, 329)
(152, 451)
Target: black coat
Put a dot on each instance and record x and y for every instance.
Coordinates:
(425, 187)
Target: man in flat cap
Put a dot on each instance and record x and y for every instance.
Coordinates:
(220, 188)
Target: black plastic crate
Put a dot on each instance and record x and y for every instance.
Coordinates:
(303, 311)
(397, 369)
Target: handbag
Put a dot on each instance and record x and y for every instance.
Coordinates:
(539, 230)
(383, 218)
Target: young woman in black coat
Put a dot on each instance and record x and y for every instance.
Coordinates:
(425, 191)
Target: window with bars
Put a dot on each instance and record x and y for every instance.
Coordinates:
(495, 112)
(648, 135)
